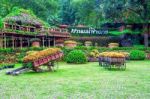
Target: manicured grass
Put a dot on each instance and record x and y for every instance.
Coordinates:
(87, 81)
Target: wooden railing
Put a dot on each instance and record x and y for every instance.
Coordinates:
(40, 30)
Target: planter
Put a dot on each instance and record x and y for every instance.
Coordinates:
(70, 44)
(88, 43)
(1, 43)
(113, 45)
(59, 45)
(35, 44)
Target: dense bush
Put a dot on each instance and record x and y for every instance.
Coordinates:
(20, 57)
(6, 51)
(77, 57)
(137, 55)
(126, 49)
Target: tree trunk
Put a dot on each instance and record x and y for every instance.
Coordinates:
(146, 39)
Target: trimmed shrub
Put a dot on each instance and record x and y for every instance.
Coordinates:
(77, 57)
(94, 53)
(137, 55)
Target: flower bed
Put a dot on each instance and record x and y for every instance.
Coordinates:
(40, 54)
(112, 59)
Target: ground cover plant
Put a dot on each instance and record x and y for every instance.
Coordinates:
(86, 81)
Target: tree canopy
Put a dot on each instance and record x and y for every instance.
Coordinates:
(25, 17)
(86, 12)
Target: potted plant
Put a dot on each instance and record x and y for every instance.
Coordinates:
(35, 42)
(70, 44)
(113, 45)
(88, 43)
(60, 43)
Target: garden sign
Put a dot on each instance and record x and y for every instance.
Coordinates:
(88, 31)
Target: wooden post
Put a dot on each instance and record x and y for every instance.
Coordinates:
(13, 42)
(20, 42)
(54, 41)
(49, 42)
(146, 39)
(15, 38)
(28, 40)
(1, 41)
(5, 41)
(43, 41)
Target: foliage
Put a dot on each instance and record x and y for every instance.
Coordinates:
(94, 53)
(127, 49)
(42, 8)
(87, 50)
(2, 57)
(20, 57)
(10, 55)
(88, 12)
(77, 57)
(66, 51)
(117, 33)
(6, 51)
(1, 22)
(137, 55)
(21, 32)
(18, 50)
(6, 65)
(81, 48)
(28, 64)
(27, 17)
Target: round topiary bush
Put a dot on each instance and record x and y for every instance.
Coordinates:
(77, 57)
(137, 55)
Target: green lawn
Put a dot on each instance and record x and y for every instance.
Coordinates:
(88, 81)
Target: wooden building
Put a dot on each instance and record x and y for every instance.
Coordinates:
(20, 29)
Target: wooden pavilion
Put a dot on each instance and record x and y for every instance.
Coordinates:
(18, 30)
